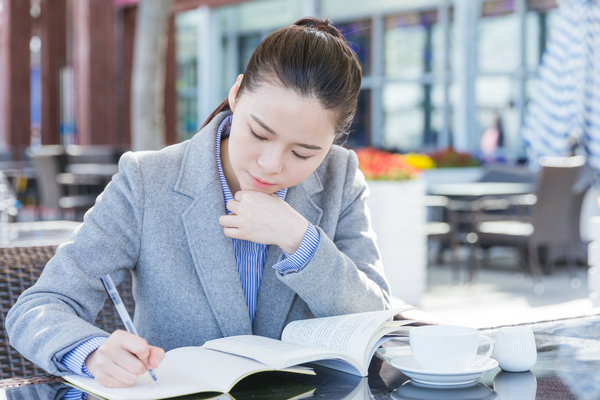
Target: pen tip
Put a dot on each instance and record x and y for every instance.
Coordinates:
(153, 375)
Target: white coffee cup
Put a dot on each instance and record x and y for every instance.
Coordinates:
(446, 348)
(515, 348)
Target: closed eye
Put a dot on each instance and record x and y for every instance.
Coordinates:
(301, 156)
(257, 135)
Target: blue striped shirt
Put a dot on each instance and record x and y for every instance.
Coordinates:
(249, 257)
(74, 394)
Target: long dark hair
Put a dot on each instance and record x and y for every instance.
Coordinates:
(313, 58)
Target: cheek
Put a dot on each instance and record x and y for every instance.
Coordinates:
(300, 172)
(239, 150)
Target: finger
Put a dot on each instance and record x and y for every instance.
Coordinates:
(156, 356)
(131, 362)
(136, 345)
(233, 233)
(107, 371)
(239, 195)
(233, 205)
(133, 354)
(228, 221)
(116, 376)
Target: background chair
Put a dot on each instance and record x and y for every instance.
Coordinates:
(19, 269)
(441, 228)
(549, 222)
(93, 154)
(57, 190)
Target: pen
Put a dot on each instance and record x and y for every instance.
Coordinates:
(111, 289)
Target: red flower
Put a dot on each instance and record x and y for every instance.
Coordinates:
(449, 157)
(382, 165)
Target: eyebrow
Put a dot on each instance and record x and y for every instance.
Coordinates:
(267, 128)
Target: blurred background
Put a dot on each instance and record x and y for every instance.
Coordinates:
(451, 89)
(436, 72)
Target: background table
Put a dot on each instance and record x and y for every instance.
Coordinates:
(470, 190)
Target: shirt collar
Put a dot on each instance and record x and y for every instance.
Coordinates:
(223, 132)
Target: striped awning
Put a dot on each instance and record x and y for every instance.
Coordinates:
(565, 109)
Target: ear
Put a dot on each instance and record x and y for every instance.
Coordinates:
(233, 92)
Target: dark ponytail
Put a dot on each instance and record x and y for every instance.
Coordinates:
(312, 58)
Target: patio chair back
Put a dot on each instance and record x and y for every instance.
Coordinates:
(99, 154)
(20, 268)
(552, 215)
(48, 162)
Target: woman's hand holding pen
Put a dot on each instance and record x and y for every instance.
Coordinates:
(264, 218)
(122, 358)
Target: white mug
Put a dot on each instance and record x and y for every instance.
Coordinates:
(515, 348)
(446, 348)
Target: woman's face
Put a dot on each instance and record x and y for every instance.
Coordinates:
(278, 138)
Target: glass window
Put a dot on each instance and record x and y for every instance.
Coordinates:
(403, 115)
(360, 131)
(187, 74)
(187, 117)
(532, 39)
(262, 15)
(405, 44)
(358, 35)
(437, 113)
(247, 44)
(495, 96)
(498, 45)
(438, 40)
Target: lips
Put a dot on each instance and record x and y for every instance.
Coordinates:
(259, 183)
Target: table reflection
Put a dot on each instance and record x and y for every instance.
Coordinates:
(413, 391)
(515, 385)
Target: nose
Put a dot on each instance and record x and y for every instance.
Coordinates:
(271, 160)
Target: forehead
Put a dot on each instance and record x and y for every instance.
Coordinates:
(285, 110)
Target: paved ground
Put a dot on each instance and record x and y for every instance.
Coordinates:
(501, 294)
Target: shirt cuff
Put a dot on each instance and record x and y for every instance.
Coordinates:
(74, 360)
(74, 394)
(296, 261)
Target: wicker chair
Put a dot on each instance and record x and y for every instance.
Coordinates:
(19, 268)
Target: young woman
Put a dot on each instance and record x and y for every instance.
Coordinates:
(256, 221)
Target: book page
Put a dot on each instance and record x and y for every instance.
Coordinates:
(184, 370)
(274, 353)
(351, 334)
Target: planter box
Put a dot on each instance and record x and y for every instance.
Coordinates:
(398, 219)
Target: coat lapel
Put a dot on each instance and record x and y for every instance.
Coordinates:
(274, 297)
(211, 250)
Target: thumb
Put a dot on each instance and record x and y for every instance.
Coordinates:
(155, 357)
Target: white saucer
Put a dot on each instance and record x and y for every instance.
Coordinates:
(409, 367)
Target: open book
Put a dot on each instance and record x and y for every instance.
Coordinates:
(344, 342)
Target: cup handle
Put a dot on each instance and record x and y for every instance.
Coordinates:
(490, 343)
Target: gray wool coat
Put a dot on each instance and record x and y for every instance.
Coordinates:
(158, 218)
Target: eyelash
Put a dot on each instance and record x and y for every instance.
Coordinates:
(301, 157)
(262, 138)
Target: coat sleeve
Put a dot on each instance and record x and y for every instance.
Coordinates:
(56, 314)
(345, 274)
